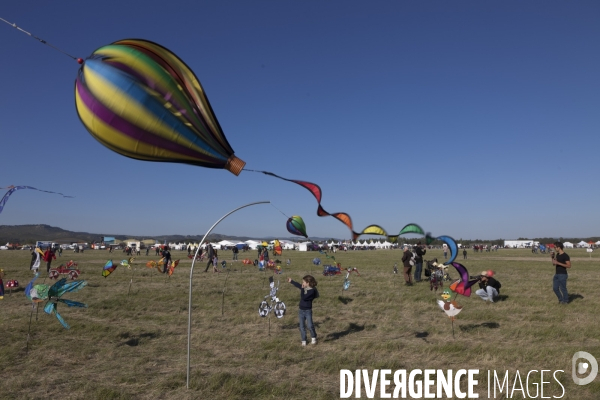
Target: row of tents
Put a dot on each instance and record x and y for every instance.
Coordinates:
(285, 245)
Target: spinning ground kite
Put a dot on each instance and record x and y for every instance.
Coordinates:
(463, 285)
(53, 295)
(12, 189)
(108, 268)
(173, 264)
(346, 284)
(275, 305)
(450, 307)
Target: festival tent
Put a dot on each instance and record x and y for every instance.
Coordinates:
(252, 244)
(583, 244)
(303, 246)
(598, 242)
(287, 245)
(224, 243)
(568, 245)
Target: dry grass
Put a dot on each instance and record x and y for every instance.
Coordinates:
(134, 347)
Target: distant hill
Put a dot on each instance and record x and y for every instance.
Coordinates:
(29, 234)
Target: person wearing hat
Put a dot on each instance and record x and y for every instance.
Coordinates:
(419, 252)
(489, 287)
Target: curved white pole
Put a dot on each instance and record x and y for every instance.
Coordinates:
(191, 275)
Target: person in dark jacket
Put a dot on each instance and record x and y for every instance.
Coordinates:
(420, 252)
(407, 266)
(489, 287)
(210, 252)
(166, 259)
(308, 292)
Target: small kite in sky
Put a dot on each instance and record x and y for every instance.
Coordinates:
(12, 189)
(295, 225)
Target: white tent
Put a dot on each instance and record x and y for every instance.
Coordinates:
(598, 243)
(568, 245)
(224, 243)
(583, 244)
(252, 244)
(303, 246)
(287, 245)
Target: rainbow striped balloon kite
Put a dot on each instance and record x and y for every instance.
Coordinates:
(140, 100)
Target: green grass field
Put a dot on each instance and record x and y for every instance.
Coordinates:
(135, 347)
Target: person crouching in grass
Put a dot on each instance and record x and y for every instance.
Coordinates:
(489, 287)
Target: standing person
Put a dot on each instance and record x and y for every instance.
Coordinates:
(562, 261)
(308, 292)
(235, 253)
(59, 251)
(210, 252)
(266, 255)
(407, 267)
(147, 250)
(445, 248)
(215, 261)
(420, 252)
(166, 259)
(464, 254)
(157, 248)
(489, 288)
(189, 251)
(48, 257)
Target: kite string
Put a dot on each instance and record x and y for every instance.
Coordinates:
(40, 39)
(279, 210)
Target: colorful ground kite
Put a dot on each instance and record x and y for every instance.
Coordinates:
(127, 263)
(349, 270)
(463, 285)
(451, 308)
(12, 189)
(53, 294)
(54, 297)
(330, 270)
(108, 269)
(171, 267)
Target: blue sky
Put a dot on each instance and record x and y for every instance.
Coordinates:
(473, 119)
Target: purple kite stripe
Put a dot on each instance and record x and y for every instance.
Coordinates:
(167, 96)
(134, 132)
